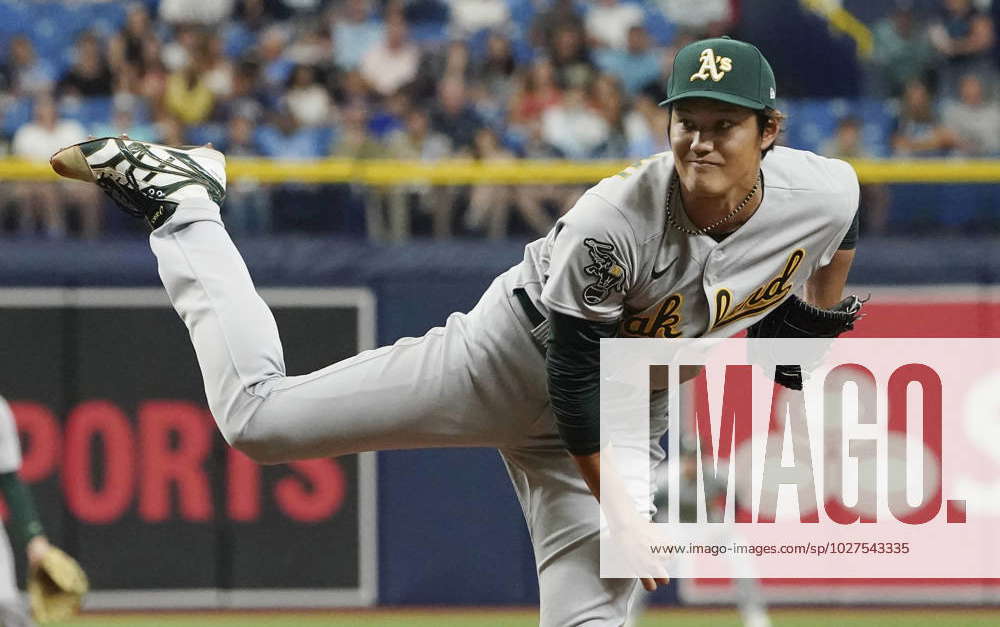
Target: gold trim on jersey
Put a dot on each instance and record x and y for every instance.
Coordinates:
(761, 299)
(628, 171)
(662, 324)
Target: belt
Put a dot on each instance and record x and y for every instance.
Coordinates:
(535, 317)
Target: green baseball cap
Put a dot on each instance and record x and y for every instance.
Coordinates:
(723, 69)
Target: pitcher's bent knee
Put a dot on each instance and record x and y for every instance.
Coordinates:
(262, 440)
(262, 450)
(243, 425)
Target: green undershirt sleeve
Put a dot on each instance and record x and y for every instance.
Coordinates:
(573, 364)
(850, 240)
(23, 516)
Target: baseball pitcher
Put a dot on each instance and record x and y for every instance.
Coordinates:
(703, 240)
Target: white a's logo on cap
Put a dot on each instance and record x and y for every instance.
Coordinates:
(712, 67)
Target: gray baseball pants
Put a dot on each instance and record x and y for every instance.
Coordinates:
(477, 381)
(13, 612)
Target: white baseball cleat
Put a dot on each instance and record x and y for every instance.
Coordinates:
(146, 180)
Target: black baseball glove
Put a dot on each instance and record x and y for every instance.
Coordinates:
(796, 318)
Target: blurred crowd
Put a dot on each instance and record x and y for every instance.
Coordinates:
(943, 72)
(487, 80)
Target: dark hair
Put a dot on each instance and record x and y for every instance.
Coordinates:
(764, 116)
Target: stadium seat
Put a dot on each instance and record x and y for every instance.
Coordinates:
(87, 111)
(813, 123)
(810, 123)
(514, 141)
(50, 38)
(106, 17)
(522, 13)
(524, 52)
(237, 39)
(427, 11)
(879, 119)
(141, 113)
(660, 29)
(75, 17)
(16, 113)
(13, 18)
(477, 44)
(302, 144)
(324, 137)
(429, 33)
(207, 133)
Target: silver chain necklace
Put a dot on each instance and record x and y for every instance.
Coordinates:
(726, 218)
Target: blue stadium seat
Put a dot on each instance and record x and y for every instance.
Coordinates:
(206, 133)
(381, 124)
(879, 120)
(425, 11)
(814, 122)
(55, 26)
(324, 137)
(87, 111)
(477, 44)
(811, 122)
(74, 18)
(514, 141)
(141, 113)
(524, 52)
(660, 29)
(520, 46)
(107, 18)
(522, 13)
(14, 17)
(17, 113)
(304, 143)
(50, 38)
(237, 39)
(429, 33)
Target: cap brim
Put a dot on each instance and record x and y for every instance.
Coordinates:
(715, 95)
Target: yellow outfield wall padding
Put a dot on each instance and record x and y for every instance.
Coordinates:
(461, 172)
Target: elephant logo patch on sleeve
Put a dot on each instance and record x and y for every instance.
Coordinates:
(608, 272)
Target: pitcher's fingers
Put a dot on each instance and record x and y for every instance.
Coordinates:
(650, 583)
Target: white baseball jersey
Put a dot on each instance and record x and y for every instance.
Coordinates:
(12, 610)
(10, 446)
(615, 257)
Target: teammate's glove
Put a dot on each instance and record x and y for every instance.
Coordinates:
(56, 586)
(796, 318)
